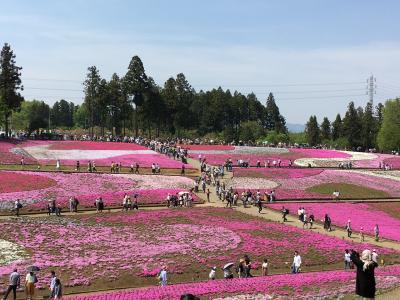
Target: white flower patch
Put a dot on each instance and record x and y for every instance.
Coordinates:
(10, 252)
(42, 152)
(394, 175)
(150, 182)
(304, 162)
(251, 183)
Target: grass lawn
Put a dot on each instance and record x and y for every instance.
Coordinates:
(348, 190)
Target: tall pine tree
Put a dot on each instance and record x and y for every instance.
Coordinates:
(313, 132)
(273, 119)
(325, 129)
(10, 85)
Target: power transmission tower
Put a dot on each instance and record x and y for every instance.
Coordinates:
(371, 88)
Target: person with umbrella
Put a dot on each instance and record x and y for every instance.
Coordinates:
(227, 271)
(30, 281)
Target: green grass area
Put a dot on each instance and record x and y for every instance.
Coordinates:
(348, 190)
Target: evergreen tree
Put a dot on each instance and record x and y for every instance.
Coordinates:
(92, 93)
(313, 132)
(352, 126)
(369, 130)
(274, 120)
(10, 85)
(379, 115)
(136, 84)
(389, 134)
(337, 128)
(325, 129)
(185, 94)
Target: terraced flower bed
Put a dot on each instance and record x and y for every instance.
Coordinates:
(35, 189)
(361, 215)
(91, 251)
(317, 183)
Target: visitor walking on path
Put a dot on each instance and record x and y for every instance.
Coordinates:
(17, 207)
(348, 229)
(259, 204)
(208, 195)
(30, 282)
(264, 267)
(53, 279)
(347, 259)
(296, 263)
(212, 274)
(365, 279)
(162, 277)
(285, 212)
(376, 232)
(327, 223)
(15, 281)
(362, 234)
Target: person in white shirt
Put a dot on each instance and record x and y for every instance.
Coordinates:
(163, 276)
(212, 273)
(347, 259)
(296, 263)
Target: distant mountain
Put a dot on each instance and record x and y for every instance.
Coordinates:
(295, 127)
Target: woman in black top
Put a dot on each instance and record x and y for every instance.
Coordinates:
(365, 280)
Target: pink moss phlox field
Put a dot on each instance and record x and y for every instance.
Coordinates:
(301, 286)
(36, 188)
(361, 215)
(144, 160)
(282, 173)
(9, 154)
(296, 188)
(91, 145)
(11, 182)
(80, 248)
(206, 147)
(68, 185)
(320, 153)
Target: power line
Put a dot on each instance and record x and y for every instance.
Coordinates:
(51, 89)
(321, 97)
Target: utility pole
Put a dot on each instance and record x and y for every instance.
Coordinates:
(371, 88)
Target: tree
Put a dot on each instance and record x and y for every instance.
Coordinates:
(379, 114)
(389, 134)
(313, 131)
(136, 83)
(185, 95)
(274, 120)
(10, 85)
(92, 86)
(32, 116)
(61, 114)
(369, 130)
(337, 128)
(325, 129)
(352, 126)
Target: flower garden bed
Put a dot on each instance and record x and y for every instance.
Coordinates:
(361, 215)
(302, 184)
(68, 152)
(35, 189)
(93, 250)
(314, 285)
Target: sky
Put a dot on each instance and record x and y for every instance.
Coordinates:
(314, 55)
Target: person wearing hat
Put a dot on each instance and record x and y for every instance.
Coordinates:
(212, 273)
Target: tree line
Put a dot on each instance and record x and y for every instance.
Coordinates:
(360, 128)
(134, 104)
